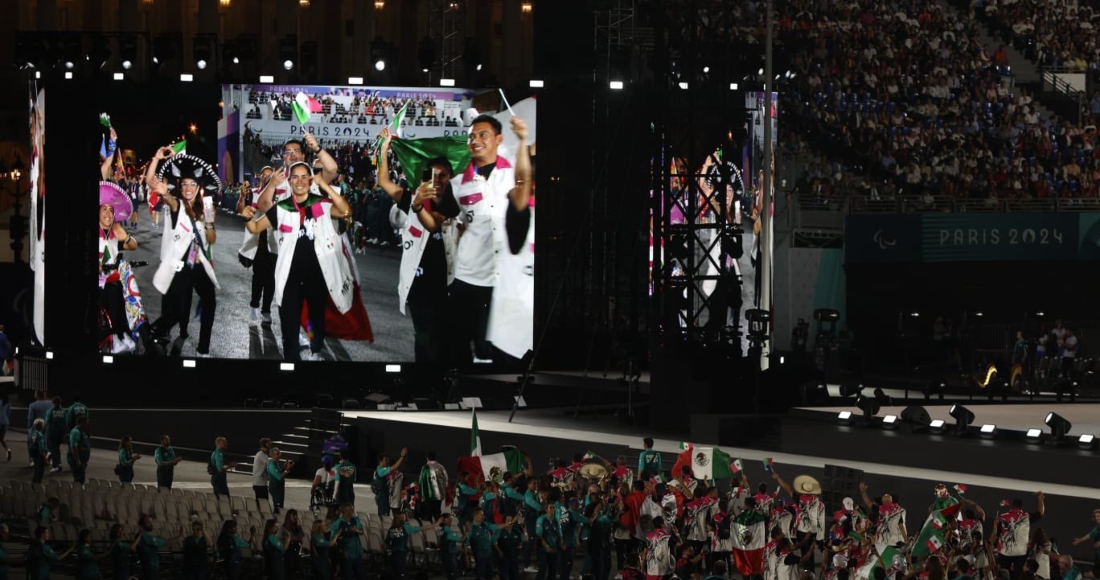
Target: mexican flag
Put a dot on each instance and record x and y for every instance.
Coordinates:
(748, 534)
(683, 460)
(488, 467)
(395, 127)
(737, 466)
(475, 437)
(303, 106)
(710, 463)
(180, 148)
(885, 560)
(931, 538)
(414, 155)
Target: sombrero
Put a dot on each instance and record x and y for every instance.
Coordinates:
(179, 166)
(806, 485)
(594, 471)
(113, 195)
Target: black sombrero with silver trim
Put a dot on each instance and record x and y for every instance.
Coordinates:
(180, 166)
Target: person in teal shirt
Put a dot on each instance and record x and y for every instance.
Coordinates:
(166, 459)
(569, 520)
(274, 551)
(481, 537)
(532, 509)
(75, 412)
(230, 544)
(55, 432)
(346, 473)
(449, 541)
(218, 467)
(463, 498)
(380, 484)
(511, 541)
(195, 552)
(276, 479)
(397, 539)
(350, 528)
(321, 562)
(649, 461)
(597, 553)
(1094, 537)
(39, 449)
(120, 553)
(149, 545)
(6, 561)
(548, 536)
(80, 450)
(126, 459)
(87, 561)
(40, 555)
(47, 510)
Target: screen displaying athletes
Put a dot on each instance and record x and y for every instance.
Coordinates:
(37, 234)
(323, 224)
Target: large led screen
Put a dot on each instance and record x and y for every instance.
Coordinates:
(321, 223)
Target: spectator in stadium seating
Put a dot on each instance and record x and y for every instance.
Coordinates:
(1094, 537)
(196, 548)
(218, 467)
(56, 432)
(5, 421)
(259, 470)
(380, 484)
(166, 459)
(126, 458)
(37, 410)
(80, 451)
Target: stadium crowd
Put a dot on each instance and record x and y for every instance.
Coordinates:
(893, 100)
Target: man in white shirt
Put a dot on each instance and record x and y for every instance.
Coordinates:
(491, 199)
(259, 470)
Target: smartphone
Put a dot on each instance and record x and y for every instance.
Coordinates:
(208, 208)
(426, 177)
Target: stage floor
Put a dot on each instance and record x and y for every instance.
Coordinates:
(1084, 417)
(604, 430)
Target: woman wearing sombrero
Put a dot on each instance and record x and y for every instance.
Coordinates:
(114, 206)
(186, 262)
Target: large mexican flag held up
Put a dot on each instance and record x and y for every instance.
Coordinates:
(931, 538)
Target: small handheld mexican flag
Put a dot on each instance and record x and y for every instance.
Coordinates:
(737, 467)
(960, 489)
(105, 120)
(592, 455)
(938, 521)
(303, 106)
(769, 465)
(180, 148)
(934, 544)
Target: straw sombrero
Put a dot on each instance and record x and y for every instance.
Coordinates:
(806, 485)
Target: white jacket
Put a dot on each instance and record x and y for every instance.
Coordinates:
(326, 244)
(174, 246)
(414, 240)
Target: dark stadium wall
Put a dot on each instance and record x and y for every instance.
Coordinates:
(1005, 292)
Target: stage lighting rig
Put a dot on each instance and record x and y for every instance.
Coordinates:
(844, 417)
(917, 418)
(1087, 442)
(890, 422)
(1059, 428)
(1034, 436)
(963, 418)
(988, 431)
(870, 408)
(936, 426)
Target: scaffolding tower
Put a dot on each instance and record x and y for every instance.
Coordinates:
(697, 186)
(447, 33)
